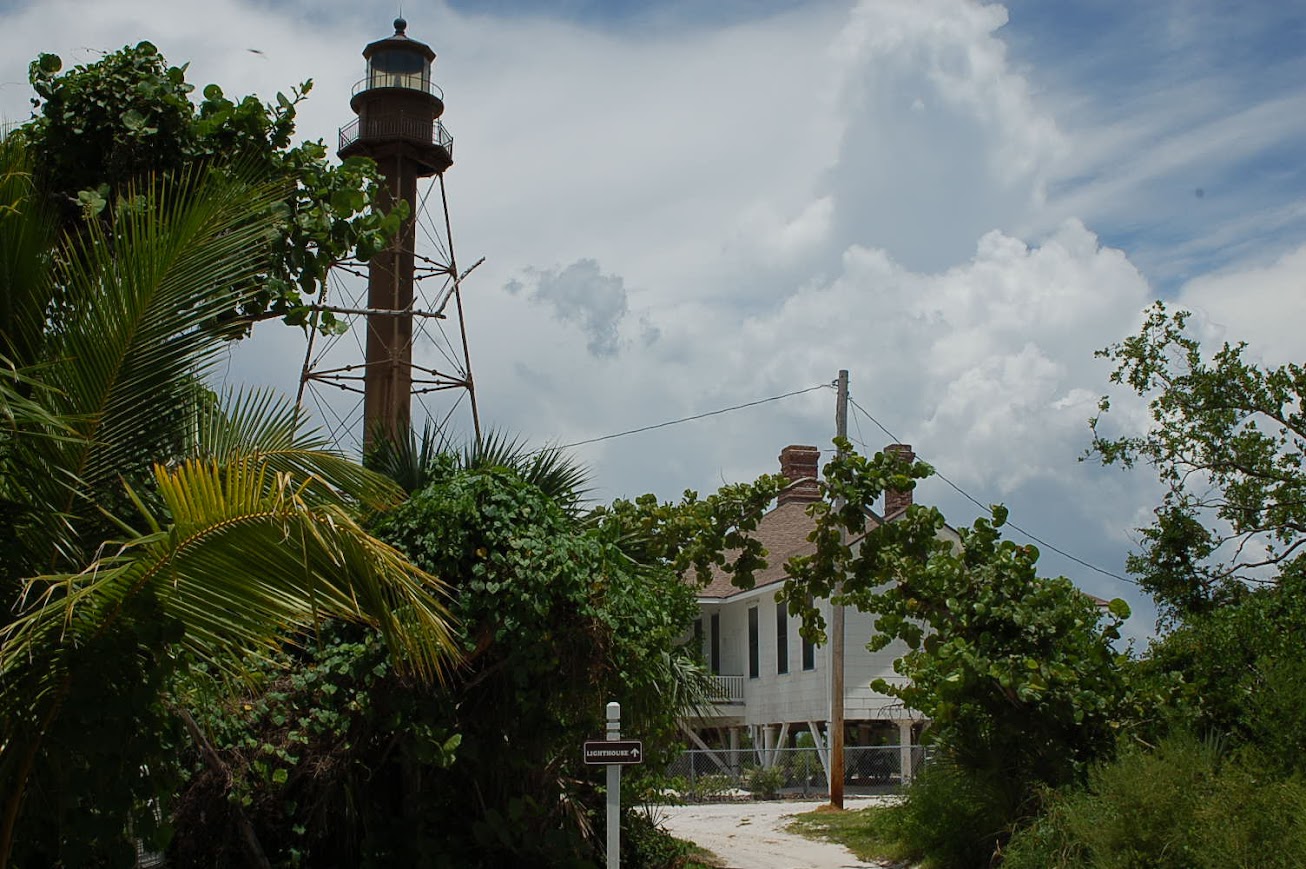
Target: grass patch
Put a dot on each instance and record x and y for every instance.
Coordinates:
(870, 833)
(698, 858)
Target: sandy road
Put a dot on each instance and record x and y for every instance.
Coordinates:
(750, 835)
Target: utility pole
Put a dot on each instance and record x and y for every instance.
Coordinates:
(837, 629)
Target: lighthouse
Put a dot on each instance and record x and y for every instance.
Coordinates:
(398, 109)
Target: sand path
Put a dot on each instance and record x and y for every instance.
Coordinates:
(750, 835)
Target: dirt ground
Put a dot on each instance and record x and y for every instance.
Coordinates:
(749, 835)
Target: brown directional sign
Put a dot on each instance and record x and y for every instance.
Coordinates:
(619, 751)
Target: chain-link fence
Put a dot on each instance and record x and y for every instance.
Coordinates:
(699, 775)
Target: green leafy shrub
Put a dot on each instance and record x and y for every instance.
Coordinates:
(953, 816)
(765, 782)
(708, 787)
(343, 764)
(325, 757)
(1187, 804)
(102, 127)
(645, 845)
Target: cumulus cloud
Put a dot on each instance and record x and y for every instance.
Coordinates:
(581, 294)
(992, 358)
(942, 141)
(1263, 305)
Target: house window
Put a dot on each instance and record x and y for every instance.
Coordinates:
(809, 649)
(698, 637)
(754, 661)
(714, 653)
(781, 638)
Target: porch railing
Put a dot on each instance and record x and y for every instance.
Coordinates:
(729, 689)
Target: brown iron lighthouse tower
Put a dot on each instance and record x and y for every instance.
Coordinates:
(398, 126)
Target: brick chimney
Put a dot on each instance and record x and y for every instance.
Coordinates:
(800, 463)
(896, 501)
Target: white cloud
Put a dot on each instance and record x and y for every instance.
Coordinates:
(942, 141)
(991, 360)
(1264, 306)
(581, 294)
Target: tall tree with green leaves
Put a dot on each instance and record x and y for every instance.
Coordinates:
(150, 525)
(100, 128)
(1227, 439)
(1225, 557)
(1016, 673)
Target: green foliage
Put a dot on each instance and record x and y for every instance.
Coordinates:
(101, 129)
(953, 816)
(764, 782)
(90, 798)
(418, 460)
(645, 845)
(695, 534)
(555, 617)
(111, 122)
(1187, 804)
(1228, 441)
(1224, 561)
(134, 545)
(1016, 672)
(1223, 556)
(1242, 672)
(325, 754)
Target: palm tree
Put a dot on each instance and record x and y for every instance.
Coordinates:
(417, 461)
(149, 524)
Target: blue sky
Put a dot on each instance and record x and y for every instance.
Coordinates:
(1129, 60)
(690, 205)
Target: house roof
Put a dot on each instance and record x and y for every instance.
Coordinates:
(783, 531)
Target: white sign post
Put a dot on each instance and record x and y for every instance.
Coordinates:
(614, 753)
(614, 790)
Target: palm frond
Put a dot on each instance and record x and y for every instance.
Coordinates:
(22, 409)
(412, 463)
(245, 563)
(685, 684)
(549, 469)
(265, 426)
(135, 330)
(27, 233)
(31, 515)
(142, 304)
(409, 461)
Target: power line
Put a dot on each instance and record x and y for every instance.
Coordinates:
(671, 422)
(977, 503)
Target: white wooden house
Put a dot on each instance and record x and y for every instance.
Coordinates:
(772, 684)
